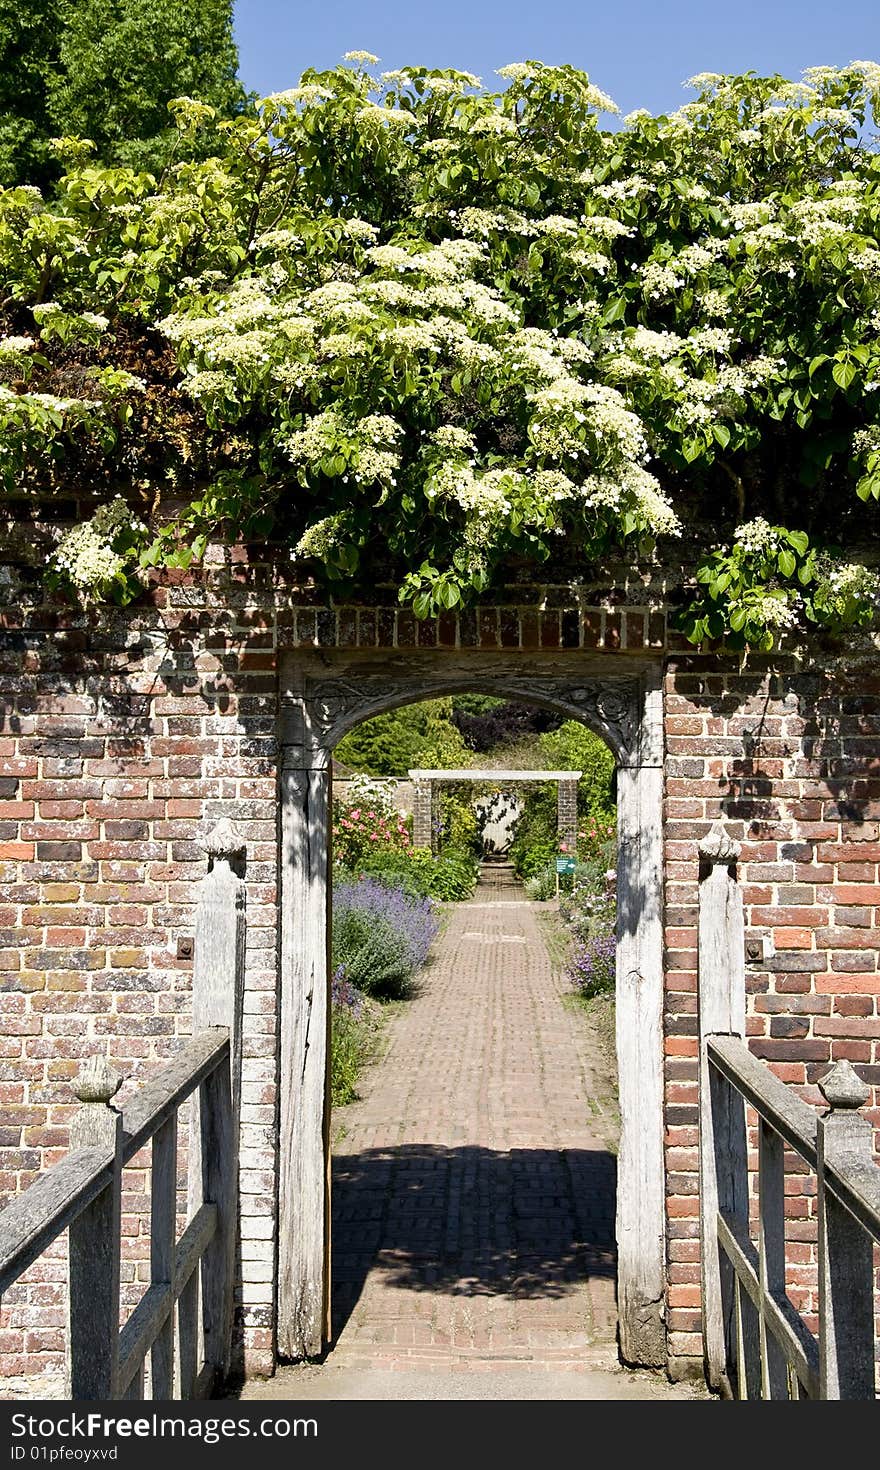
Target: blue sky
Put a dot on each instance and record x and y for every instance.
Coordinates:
(638, 50)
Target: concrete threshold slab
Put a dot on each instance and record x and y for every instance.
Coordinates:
(480, 1381)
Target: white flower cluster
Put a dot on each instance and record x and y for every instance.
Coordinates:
(453, 440)
(845, 580)
(307, 93)
(14, 348)
(86, 556)
(490, 123)
(320, 538)
(568, 415)
(757, 537)
(866, 440)
(778, 611)
(367, 445)
(659, 280)
(374, 115)
(637, 490)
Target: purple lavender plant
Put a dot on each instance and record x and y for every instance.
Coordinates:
(381, 935)
(592, 970)
(344, 996)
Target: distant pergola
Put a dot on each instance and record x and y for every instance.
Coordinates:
(424, 783)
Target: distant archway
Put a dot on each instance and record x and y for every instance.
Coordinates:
(326, 693)
(424, 783)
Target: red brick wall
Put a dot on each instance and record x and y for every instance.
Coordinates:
(125, 735)
(791, 760)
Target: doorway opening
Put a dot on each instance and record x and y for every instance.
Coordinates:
(326, 694)
(474, 1159)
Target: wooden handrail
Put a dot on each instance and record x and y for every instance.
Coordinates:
(35, 1218)
(792, 1118)
(855, 1185)
(178, 1339)
(162, 1094)
(765, 1336)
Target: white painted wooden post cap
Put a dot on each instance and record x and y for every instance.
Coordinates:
(97, 1082)
(718, 846)
(223, 841)
(842, 1087)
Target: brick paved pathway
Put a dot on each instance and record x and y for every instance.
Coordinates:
(473, 1189)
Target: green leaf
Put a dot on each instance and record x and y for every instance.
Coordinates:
(843, 372)
(615, 310)
(786, 562)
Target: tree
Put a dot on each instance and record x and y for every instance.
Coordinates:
(418, 735)
(423, 331)
(106, 71)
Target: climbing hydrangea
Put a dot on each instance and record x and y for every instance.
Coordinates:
(418, 328)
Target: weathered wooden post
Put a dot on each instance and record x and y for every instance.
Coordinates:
(641, 1203)
(218, 988)
(94, 1242)
(304, 1186)
(723, 1155)
(163, 1241)
(846, 1258)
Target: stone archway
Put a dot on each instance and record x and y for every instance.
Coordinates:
(323, 695)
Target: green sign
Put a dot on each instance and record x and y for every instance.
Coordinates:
(565, 864)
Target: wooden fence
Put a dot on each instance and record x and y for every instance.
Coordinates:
(757, 1344)
(183, 1322)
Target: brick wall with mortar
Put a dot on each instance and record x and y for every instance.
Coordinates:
(790, 758)
(124, 735)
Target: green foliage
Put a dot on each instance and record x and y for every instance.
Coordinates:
(417, 735)
(106, 71)
(448, 877)
(459, 826)
(352, 1036)
(575, 748)
(421, 331)
(767, 580)
(571, 747)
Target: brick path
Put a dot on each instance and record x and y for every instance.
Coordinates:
(473, 1190)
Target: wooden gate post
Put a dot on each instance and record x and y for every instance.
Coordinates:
(218, 990)
(94, 1243)
(723, 1158)
(304, 1204)
(846, 1250)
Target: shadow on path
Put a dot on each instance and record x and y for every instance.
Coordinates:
(471, 1221)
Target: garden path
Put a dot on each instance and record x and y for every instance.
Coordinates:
(473, 1187)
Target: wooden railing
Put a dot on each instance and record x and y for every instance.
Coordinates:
(191, 1285)
(82, 1194)
(757, 1344)
(769, 1351)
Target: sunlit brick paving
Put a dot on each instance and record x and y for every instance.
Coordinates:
(473, 1182)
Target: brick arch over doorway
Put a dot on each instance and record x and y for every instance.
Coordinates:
(324, 694)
